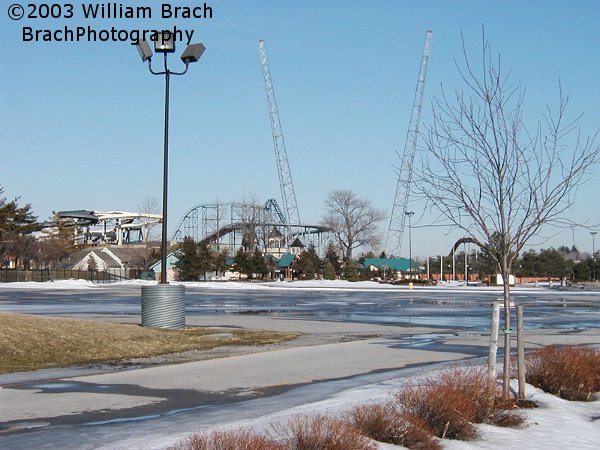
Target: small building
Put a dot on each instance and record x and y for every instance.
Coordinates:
(283, 267)
(121, 261)
(390, 268)
(297, 247)
(275, 243)
(171, 261)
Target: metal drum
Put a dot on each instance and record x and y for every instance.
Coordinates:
(163, 306)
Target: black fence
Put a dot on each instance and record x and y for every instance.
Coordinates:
(42, 275)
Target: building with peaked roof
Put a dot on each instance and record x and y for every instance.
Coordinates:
(283, 267)
(297, 247)
(275, 243)
(125, 262)
(157, 267)
(106, 258)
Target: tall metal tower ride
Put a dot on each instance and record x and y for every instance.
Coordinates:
(288, 195)
(398, 216)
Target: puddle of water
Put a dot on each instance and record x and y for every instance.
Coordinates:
(53, 386)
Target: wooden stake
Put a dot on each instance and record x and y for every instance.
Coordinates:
(493, 343)
(520, 353)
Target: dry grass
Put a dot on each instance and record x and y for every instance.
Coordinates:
(385, 423)
(572, 373)
(242, 439)
(320, 433)
(33, 342)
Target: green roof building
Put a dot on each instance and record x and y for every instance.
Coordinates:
(393, 264)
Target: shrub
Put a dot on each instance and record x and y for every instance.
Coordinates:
(228, 440)
(450, 403)
(385, 423)
(472, 382)
(447, 411)
(572, 373)
(322, 433)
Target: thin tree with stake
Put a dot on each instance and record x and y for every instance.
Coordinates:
(492, 178)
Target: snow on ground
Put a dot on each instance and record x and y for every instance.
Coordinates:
(338, 285)
(305, 285)
(59, 284)
(555, 424)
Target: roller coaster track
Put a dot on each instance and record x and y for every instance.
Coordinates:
(209, 222)
(214, 222)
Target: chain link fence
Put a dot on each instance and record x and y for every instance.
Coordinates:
(42, 275)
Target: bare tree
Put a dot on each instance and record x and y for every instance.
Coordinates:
(150, 252)
(248, 214)
(149, 206)
(492, 178)
(353, 220)
(252, 215)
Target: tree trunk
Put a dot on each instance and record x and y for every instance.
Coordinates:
(506, 367)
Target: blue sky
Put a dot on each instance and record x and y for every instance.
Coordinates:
(81, 124)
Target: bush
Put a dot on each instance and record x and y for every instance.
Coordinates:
(384, 423)
(447, 411)
(572, 373)
(322, 433)
(228, 440)
(450, 403)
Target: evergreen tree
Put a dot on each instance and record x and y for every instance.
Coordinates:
(528, 265)
(583, 270)
(16, 225)
(188, 264)
(205, 262)
(220, 261)
(553, 264)
(258, 264)
(485, 265)
(350, 270)
(308, 263)
(329, 271)
(242, 263)
(332, 256)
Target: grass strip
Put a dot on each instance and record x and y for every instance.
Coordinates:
(30, 342)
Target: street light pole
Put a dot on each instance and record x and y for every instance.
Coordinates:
(165, 44)
(163, 240)
(593, 233)
(409, 214)
(163, 305)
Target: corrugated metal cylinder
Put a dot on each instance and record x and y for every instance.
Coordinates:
(163, 306)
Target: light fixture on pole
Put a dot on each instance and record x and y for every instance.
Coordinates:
(409, 214)
(164, 42)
